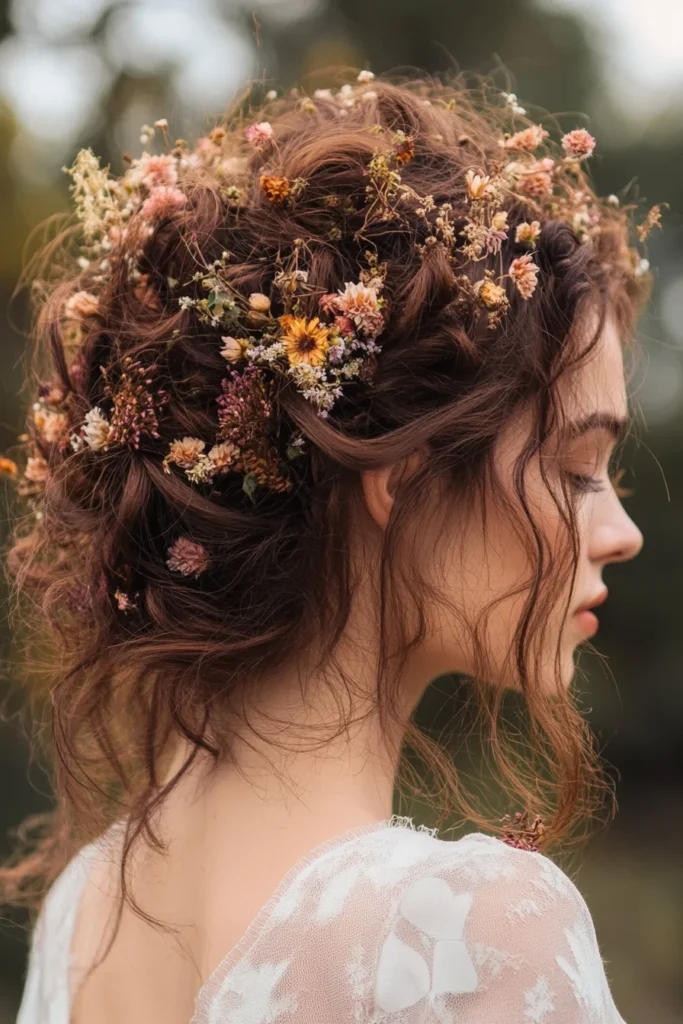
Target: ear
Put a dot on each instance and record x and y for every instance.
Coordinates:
(380, 486)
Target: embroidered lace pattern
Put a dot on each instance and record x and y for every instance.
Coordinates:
(387, 923)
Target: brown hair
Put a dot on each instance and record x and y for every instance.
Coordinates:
(124, 680)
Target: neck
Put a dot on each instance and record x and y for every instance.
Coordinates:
(311, 755)
(313, 758)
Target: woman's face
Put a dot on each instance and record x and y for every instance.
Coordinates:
(487, 565)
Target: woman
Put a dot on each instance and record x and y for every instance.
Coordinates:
(327, 407)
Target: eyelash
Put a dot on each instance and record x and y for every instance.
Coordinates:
(585, 484)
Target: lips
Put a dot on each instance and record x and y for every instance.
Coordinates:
(599, 599)
(585, 618)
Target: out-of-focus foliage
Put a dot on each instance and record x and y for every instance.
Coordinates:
(632, 876)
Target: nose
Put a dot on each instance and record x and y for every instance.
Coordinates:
(619, 540)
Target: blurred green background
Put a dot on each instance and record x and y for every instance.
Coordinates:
(91, 72)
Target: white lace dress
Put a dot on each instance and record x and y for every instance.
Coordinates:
(386, 923)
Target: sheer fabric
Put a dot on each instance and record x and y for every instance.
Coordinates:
(386, 923)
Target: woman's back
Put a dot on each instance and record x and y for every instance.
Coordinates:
(383, 922)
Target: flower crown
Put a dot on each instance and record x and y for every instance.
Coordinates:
(269, 339)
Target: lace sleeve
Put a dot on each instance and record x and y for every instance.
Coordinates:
(400, 927)
(506, 939)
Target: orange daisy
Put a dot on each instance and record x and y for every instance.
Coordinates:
(307, 341)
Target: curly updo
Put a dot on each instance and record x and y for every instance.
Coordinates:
(225, 337)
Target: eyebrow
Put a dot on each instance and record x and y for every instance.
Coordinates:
(617, 426)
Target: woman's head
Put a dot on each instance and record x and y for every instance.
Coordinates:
(333, 359)
(476, 552)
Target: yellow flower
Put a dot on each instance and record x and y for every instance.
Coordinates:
(306, 340)
(528, 232)
(499, 221)
(490, 294)
(479, 186)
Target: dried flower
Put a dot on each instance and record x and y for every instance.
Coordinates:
(80, 305)
(8, 467)
(479, 186)
(288, 281)
(188, 557)
(95, 196)
(259, 302)
(306, 341)
(259, 133)
(361, 304)
(36, 469)
(499, 221)
(224, 455)
(365, 76)
(490, 294)
(526, 140)
(154, 171)
(404, 147)
(652, 220)
(185, 453)
(275, 189)
(536, 178)
(528, 233)
(245, 413)
(233, 348)
(123, 601)
(578, 144)
(521, 835)
(524, 272)
(493, 240)
(162, 202)
(52, 425)
(136, 406)
(96, 429)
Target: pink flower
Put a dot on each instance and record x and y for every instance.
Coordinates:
(344, 324)
(162, 202)
(328, 302)
(36, 469)
(528, 139)
(578, 144)
(259, 133)
(524, 272)
(493, 240)
(360, 303)
(187, 557)
(123, 602)
(154, 171)
(52, 425)
(536, 179)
